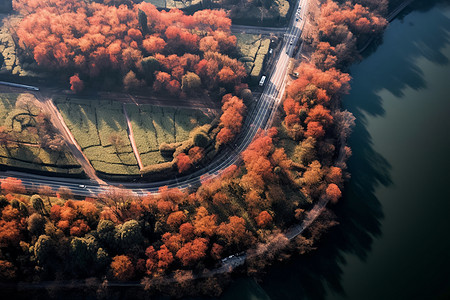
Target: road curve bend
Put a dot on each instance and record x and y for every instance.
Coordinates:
(259, 116)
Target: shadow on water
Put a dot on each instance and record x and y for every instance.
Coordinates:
(400, 73)
(360, 213)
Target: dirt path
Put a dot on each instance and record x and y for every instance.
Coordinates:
(131, 137)
(48, 106)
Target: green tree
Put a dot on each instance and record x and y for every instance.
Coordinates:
(15, 203)
(190, 82)
(83, 254)
(201, 140)
(38, 204)
(142, 16)
(3, 202)
(103, 259)
(129, 235)
(36, 224)
(149, 66)
(44, 250)
(106, 232)
(131, 82)
(246, 95)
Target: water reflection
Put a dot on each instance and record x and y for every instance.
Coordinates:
(399, 72)
(360, 213)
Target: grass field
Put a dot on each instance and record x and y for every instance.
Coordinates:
(17, 113)
(253, 50)
(93, 123)
(275, 15)
(153, 125)
(175, 4)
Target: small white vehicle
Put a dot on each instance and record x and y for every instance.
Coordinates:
(81, 186)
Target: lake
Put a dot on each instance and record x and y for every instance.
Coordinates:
(393, 240)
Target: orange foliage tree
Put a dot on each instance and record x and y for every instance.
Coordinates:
(231, 120)
(193, 251)
(12, 185)
(184, 162)
(122, 268)
(76, 84)
(94, 39)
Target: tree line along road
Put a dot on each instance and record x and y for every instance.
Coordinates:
(260, 116)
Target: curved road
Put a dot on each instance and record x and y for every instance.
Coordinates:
(260, 116)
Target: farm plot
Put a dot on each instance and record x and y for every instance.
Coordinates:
(100, 128)
(176, 4)
(28, 141)
(153, 125)
(253, 50)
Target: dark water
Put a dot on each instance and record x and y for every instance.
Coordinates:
(393, 240)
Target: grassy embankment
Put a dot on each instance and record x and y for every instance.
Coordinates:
(23, 149)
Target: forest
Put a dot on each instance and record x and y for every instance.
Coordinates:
(168, 239)
(135, 44)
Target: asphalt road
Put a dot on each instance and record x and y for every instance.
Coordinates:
(259, 116)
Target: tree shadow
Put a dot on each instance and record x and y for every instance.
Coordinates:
(399, 70)
(360, 212)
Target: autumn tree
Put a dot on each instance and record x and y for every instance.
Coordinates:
(175, 219)
(192, 252)
(186, 231)
(65, 193)
(333, 192)
(12, 185)
(235, 232)
(7, 270)
(122, 268)
(232, 118)
(96, 39)
(204, 223)
(165, 258)
(76, 84)
(184, 162)
(344, 123)
(9, 233)
(264, 219)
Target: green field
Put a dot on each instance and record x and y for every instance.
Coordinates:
(274, 15)
(253, 49)
(17, 118)
(92, 123)
(175, 4)
(153, 125)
